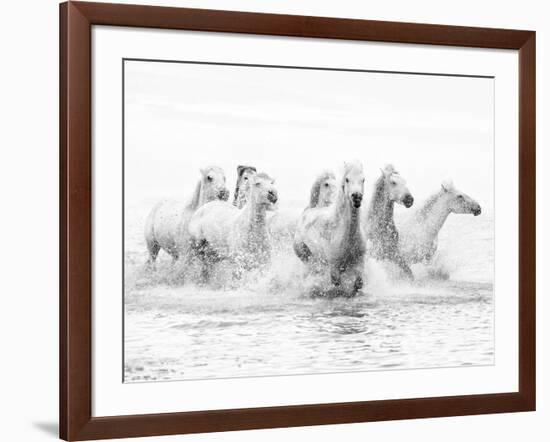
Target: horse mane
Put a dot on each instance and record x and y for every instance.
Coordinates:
(429, 203)
(240, 170)
(195, 199)
(316, 188)
(349, 166)
(377, 197)
(379, 186)
(448, 185)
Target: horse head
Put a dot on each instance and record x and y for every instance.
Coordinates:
(244, 176)
(396, 187)
(262, 190)
(353, 183)
(323, 190)
(459, 202)
(213, 184)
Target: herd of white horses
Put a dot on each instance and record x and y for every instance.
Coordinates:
(332, 236)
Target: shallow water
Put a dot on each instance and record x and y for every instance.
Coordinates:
(272, 327)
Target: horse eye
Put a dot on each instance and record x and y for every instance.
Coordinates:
(326, 184)
(347, 181)
(246, 178)
(209, 178)
(460, 197)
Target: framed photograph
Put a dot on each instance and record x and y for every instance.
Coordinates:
(275, 220)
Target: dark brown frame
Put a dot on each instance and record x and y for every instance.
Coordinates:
(76, 421)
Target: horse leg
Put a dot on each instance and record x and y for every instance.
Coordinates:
(335, 277)
(436, 269)
(237, 270)
(405, 268)
(302, 251)
(202, 253)
(358, 284)
(205, 272)
(154, 248)
(351, 280)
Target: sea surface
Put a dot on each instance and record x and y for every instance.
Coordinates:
(270, 325)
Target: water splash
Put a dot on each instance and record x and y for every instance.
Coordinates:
(268, 324)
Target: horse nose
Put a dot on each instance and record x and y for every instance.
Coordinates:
(272, 196)
(477, 210)
(357, 197)
(223, 194)
(408, 201)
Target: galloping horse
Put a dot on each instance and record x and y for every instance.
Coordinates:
(382, 235)
(331, 238)
(323, 190)
(418, 234)
(282, 224)
(244, 173)
(219, 230)
(166, 225)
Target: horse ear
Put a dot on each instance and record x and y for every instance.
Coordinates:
(388, 170)
(241, 168)
(447, 185)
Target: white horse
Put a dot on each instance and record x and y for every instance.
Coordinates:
(323, 191)
(282, 223)
(418, 234)
(382, 235)
(219, 230)
(166, 225)
(330, 239)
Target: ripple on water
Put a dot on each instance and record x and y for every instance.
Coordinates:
(177, 331)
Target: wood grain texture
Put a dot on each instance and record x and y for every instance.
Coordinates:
(527, 220)
(76, 19)
(76, 221)
(301, 415)
(63, 318)
(299, 26)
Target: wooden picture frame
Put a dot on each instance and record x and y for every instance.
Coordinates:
(76, 21)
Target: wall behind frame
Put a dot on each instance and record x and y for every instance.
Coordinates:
(29, 221)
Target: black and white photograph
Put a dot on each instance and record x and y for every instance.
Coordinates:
(275, 220)
(296, 220)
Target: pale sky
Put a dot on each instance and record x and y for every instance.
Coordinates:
(293, 123)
